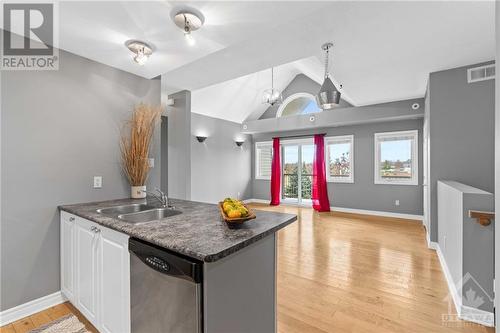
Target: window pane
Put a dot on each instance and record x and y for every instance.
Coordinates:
(307, 170)
(339, 159)
(395, 158)
(265, 158)
(300, 105)
(290, 172)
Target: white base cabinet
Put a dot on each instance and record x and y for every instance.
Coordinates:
(95, 272)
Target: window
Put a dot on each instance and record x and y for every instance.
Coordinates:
(396, 158)
(297, 104)
(339, 159)
(263, 159)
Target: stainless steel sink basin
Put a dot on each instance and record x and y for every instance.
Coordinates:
(149, 215)
(125, 209)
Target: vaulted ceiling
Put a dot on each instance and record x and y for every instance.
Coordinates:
(383, 51)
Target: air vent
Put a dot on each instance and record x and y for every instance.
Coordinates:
(482, 73)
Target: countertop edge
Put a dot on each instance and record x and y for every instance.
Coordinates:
(209, 258)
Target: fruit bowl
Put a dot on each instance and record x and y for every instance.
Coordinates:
(236, 220)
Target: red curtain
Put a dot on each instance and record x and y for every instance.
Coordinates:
(320, 200)
(276, 173)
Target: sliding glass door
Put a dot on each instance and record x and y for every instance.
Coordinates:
(297, 171)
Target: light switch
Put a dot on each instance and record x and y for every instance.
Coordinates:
(97, 181)
(151, 162)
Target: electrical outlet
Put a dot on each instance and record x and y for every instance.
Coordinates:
(238, 197)
(97, 181)
(151, 162)
(396, 202)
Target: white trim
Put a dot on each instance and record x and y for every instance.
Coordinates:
(293, 97)
(464, 312)
(27, 309)
(260, 145)
(414, 158)
(473, 315)
(449, 280)
(349, 210)
(378, 213)
(337, 140)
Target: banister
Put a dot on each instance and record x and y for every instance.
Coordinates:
(483, 218)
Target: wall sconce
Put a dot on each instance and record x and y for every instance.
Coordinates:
(201, 138)
(239, 143)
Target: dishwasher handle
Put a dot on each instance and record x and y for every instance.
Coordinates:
(166, 262)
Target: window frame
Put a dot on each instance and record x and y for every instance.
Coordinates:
(336, 140)
(260, 145)
(291, 98)
(414, 158)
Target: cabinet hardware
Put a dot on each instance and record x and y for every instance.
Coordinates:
(71, 219)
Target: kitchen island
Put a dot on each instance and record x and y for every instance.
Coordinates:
(237, 284)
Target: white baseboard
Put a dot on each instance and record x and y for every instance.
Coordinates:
(27, 309)
(351, 210)
(378, 213)
(477, 316)
(464, 312)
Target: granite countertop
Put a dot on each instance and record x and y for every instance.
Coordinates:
(198, 232)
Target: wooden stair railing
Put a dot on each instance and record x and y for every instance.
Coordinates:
(483, 218)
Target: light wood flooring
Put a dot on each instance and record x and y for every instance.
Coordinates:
(344, 273)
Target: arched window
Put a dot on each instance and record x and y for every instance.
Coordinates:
(297, 104)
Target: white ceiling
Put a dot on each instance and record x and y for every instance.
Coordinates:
(241, 98)
(383, 51)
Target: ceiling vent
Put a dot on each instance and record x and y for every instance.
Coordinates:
(482, 73)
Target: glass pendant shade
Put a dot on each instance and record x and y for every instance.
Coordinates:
(272, 96)
(328, 96)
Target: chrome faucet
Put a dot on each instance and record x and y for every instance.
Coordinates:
(160, 196)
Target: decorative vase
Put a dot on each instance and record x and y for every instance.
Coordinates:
(138, 192)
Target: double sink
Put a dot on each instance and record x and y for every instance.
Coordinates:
(138, 213)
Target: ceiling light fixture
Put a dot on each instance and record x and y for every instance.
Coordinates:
(189, 21)
(328, 96)
(141, 50)
(272, 96)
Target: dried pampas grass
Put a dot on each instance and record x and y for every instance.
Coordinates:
(136, 141)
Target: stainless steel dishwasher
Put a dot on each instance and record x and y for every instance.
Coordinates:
(165, 291)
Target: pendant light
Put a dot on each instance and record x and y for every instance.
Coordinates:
(328, 96)
(272, 96)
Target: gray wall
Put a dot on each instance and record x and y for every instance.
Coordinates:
(58, 130)
(179, 146)
(497, 159)
(461, 129)
(363, 194)
(300, 84)
(219, 168)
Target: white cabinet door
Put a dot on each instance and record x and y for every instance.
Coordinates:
(68, 222)
(87, 247)
(114, 282)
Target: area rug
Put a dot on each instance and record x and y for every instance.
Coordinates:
(66, 324)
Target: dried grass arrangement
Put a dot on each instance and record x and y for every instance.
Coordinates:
(136, 141)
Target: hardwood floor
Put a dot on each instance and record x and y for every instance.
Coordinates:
(344, 273)
(44, 317)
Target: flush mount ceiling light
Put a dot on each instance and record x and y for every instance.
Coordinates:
(272, 96)
(189, 20)
(328, 96)
(141, 50)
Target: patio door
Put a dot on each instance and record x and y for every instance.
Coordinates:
(297, 171)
